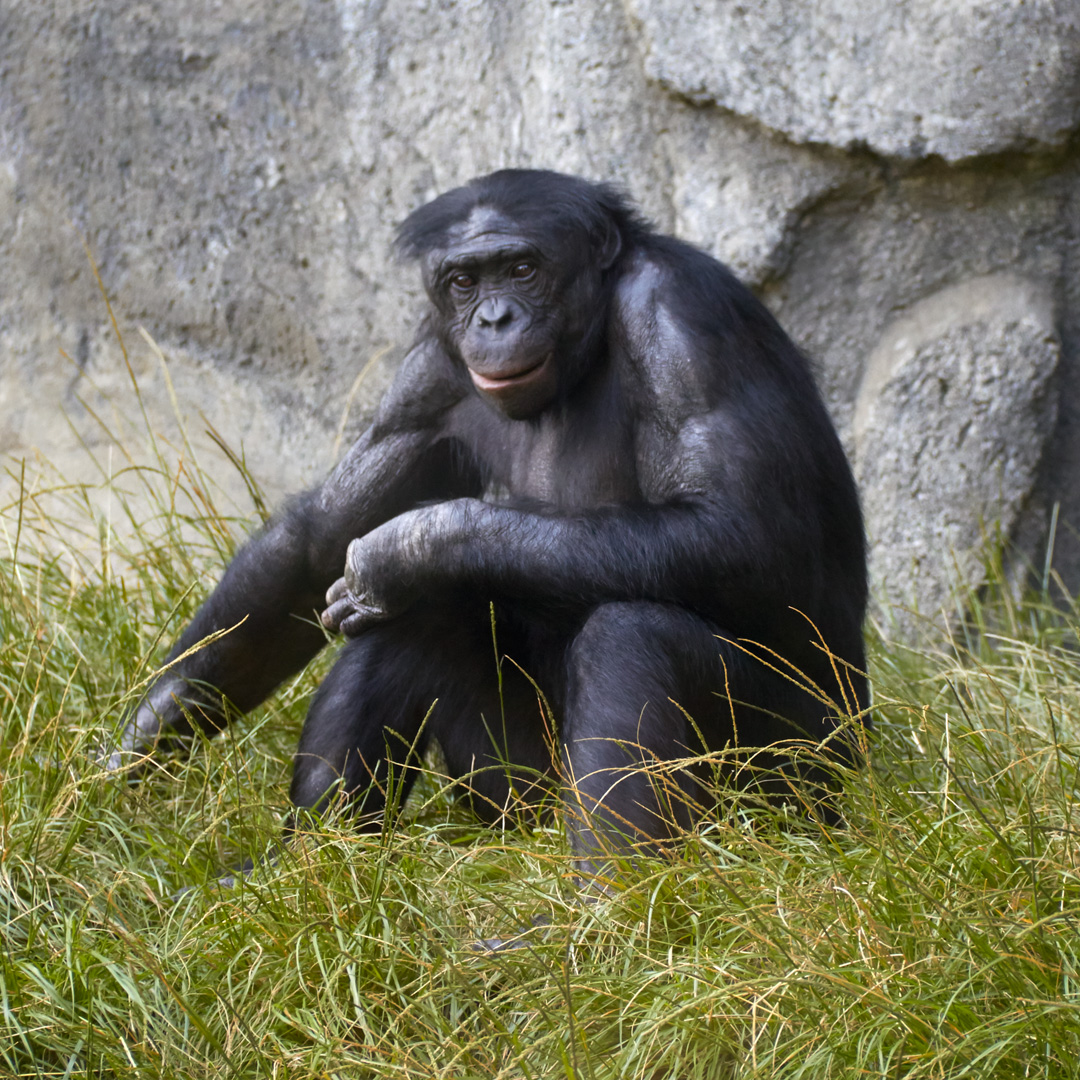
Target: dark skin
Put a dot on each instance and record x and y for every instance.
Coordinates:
(602, 434)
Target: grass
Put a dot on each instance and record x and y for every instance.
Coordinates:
(936, 936)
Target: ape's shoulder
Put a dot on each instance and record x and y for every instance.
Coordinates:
(642, 280)
(662, 272)
(701, 292)
(683, 317)
(427, 385)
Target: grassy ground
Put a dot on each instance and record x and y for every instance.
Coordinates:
(935, 937)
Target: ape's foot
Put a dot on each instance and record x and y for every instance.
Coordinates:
(229, 880)
(113, 759)
(523, 939)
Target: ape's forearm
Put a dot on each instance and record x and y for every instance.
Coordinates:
(259, 624)
(263, 611)
(689, 554)
(654, 552)
(265, 606)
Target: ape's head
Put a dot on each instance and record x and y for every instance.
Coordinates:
(519, 267)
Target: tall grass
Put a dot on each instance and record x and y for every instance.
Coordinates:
(935, 936)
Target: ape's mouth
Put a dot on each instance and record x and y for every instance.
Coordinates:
(491, 384)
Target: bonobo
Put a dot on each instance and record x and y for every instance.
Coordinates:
(603, 438)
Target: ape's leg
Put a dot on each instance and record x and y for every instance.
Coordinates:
(361, 734)
(367, 721)
(489, 721)
(638, 674)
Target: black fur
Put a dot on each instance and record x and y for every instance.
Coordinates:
(603, 434)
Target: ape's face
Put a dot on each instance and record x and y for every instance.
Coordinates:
(514, 307)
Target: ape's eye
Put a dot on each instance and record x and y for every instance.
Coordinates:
(462, 281)
(522, 271)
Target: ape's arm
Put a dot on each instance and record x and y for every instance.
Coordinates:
(712, 548)
(268, 598)
(734, 452)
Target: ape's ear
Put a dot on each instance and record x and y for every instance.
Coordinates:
(609, 245)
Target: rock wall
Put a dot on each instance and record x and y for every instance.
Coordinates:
(898, 179)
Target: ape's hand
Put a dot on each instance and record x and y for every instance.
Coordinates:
(389, 568)
(352, 604)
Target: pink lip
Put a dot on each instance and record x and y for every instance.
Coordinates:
(490, 385)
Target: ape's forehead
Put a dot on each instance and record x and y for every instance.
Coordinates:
(485, 234)
(484, 224)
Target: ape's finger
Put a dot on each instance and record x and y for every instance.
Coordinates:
(341, 609)
(350, 615)
(360, 620)
(336, 592)
(354, 564)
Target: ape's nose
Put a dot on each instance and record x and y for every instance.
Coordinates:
(494, 313)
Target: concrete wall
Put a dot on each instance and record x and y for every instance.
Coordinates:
(898, 179)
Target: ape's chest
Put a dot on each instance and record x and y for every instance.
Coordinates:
(576, 468)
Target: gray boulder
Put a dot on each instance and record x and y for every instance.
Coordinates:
(950, 77)
(237, 169)
(949, 423)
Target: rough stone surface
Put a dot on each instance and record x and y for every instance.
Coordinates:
(237, 168)
(947, 431)
(739, 193)
(956, 78)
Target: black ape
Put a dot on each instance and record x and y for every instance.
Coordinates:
(603, 434)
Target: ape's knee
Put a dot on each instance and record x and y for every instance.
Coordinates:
(315, 784)
(622, 624)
